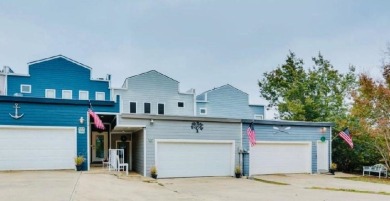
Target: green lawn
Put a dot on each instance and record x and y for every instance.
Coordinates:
(372, 179)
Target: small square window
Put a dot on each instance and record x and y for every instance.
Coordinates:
(133, 107)
(180, 104)
(203, 111)
(25, 88)
(100, 96)
(83, 95)
(66, 94)
(50, 93)
(160, 108)
(147, 108)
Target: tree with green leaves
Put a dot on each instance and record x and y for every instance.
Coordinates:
(319, 93)
(372, 108)
(316, 94)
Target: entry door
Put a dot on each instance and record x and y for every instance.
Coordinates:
(126, 146)
(323, 156)
(99, 146)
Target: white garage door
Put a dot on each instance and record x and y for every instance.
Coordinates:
(280, 157)
(37, 148)
(194, 159)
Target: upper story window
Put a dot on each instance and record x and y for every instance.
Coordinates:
(259, 116)
(100, 96)
(50, 93)
(83, 95)
(202, 110)
(180, 104)
(160, 108)
(66, 94)
(147, 108)
(25, 88)
(133, 107)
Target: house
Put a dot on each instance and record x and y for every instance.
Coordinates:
(286, 147)
(163, 130)
(228, 102)
(44, 122)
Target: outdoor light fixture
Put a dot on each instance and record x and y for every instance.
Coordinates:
(81, 120)
(151, 121)
(323, 129)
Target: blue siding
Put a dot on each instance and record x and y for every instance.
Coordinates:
(38, 114)
(59, 74)
(227, 102)
(296, 133)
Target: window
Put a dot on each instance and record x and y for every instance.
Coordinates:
(66, 94)
(147, 108)
(180, 104)
(50, 93)
(25, 88)
(202, 110)
(100, 96)
(133, 107)
(259, 116)
(83, 95)
(160, 108)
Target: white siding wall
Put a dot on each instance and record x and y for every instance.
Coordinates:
(153, 87)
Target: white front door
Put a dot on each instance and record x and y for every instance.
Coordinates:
(99, 146)
(323, 156)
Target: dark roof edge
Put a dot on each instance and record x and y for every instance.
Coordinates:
(290, 123)
(54, 101)
(180, 118)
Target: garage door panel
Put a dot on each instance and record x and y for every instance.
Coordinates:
(279, 157)
(183, 159)
(37, 148)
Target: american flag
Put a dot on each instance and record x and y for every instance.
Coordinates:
(98, 123)
(347, 137)
(251, 134)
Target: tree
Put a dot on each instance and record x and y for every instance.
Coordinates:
(320, 93)
(372, 108)
(317, 94)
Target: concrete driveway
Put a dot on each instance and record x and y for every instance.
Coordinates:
(71, 185)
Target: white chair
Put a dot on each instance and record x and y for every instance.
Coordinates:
(125, 166)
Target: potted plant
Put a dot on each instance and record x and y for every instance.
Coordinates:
(153, 172)
(237, 171)
(333, 168)
(78, 161)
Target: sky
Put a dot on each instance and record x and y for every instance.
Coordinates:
(202, 44)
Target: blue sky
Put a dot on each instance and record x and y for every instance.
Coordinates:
(202, 44)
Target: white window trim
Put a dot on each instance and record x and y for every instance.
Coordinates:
(81, 91)
(25, 85)
(98, 92)
(64, 91)
(47, 91)
(258, 116)
(184, 105)
(157, 109)
(200, 111)
(135, 107)
(150, 104)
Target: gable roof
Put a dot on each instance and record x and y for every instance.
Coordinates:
(153, 71)
(60, 56)
(202, 95)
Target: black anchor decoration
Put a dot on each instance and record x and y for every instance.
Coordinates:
(197, 126)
